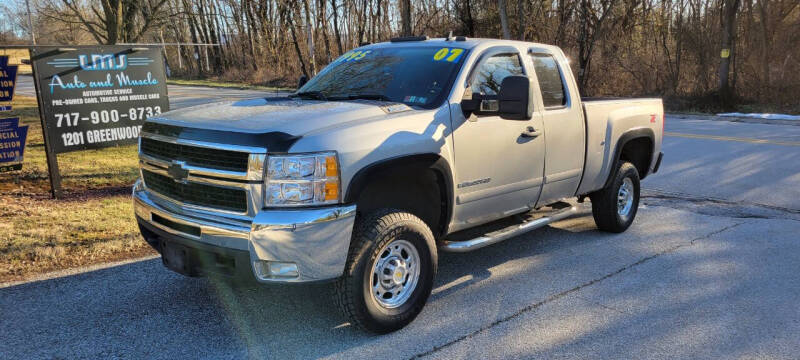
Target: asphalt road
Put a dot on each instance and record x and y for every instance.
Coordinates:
(708, 270)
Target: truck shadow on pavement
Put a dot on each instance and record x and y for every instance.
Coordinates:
(144, 310)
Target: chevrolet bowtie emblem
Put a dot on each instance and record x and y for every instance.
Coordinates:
(177, 171)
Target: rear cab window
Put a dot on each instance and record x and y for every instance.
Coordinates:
(551, 83)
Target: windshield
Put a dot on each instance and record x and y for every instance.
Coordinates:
(416, 76)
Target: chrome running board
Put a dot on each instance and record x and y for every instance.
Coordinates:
(489, 239)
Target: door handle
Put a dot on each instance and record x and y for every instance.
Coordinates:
(530, 132)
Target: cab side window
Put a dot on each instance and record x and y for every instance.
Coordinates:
(554, 94)
(490, 74)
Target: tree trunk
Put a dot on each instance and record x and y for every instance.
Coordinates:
(405, 14)
(501, 4)
(293, 32)
(583, 46)
(310, 32)
(469, 19)
(765, 44)
(564, 14)
(324, 21)
(679, 48)
(336, 26)
(251, 33)
(521, 17)
(362, 22)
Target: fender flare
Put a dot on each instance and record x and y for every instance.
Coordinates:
(632, 134)
(435, 162)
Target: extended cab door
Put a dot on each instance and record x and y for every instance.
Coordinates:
(499, 163)
(563, 125)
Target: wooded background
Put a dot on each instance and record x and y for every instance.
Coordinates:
(704, 55)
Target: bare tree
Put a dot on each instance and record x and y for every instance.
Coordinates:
(115, 20)
(644, 47)
(589, 29)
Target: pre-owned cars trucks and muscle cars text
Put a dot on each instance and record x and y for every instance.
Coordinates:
(392, 153)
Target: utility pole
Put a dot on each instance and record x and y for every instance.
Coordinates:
(730, 7)
(30, 22)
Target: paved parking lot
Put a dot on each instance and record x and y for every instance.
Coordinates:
(709, 270)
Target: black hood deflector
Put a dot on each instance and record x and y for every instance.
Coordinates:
(274, 141)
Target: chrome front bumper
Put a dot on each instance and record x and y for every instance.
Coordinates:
(294, 245)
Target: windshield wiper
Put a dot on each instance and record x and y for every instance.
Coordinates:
(320, 96)
(367, 97)
(316, 95)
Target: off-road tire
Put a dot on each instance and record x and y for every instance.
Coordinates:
(605, 208)
(352, 292)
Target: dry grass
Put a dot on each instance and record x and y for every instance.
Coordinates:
(92, 224)
(39, 234)
(80, 170)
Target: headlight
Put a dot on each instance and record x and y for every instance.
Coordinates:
(301, 180)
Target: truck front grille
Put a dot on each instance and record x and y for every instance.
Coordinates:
(196, 156)
(196, 194)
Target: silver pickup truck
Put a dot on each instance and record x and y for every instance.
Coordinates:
(392, 153)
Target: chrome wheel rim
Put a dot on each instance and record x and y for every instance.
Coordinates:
(395, 273)
(625, 198)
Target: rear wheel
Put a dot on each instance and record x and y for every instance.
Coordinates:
(615, 207)
(390, 270)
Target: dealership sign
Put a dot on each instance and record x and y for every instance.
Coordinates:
(12, 144)
(93, 97)
(8, 81)
(98, 96)
(12, 136)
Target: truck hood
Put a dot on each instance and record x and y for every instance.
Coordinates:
(291, 116)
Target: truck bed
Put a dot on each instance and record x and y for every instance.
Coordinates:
(606, 120)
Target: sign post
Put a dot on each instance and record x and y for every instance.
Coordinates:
(92, 97)
(52, 162)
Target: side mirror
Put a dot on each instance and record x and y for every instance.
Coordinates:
(302, 81)
(515, 98)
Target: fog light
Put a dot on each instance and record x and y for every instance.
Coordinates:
(275, 270)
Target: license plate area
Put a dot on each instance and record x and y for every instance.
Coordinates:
(177, 258)
(196, 262)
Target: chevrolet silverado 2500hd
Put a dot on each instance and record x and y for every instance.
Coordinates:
(393, 152)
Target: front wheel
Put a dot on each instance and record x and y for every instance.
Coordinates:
(615, 207)
(390, 270)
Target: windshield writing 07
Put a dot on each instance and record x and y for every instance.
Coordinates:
(416, 76)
